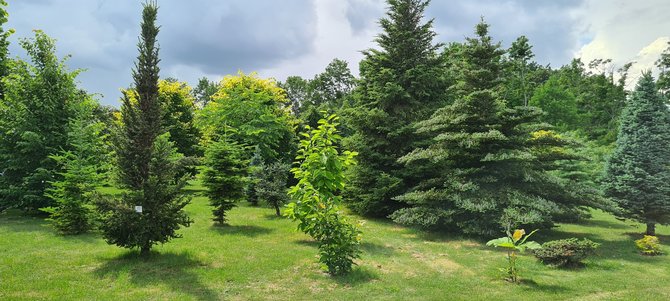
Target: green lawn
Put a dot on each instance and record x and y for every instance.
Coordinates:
(262, 257)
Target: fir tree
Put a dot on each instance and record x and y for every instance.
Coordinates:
(401, 83)
(225, 176)
(148, 162)
(271, 185)
(492, 174)
(83, 168)
(638, 172)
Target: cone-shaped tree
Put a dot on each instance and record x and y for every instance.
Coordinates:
(401, 83)
(147, 160)
(492, 172)
(638, 172)
(225, 176)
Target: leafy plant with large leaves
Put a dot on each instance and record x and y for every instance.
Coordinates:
(316, 199)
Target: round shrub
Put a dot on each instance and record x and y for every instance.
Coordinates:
(649, 245)
(566, 252)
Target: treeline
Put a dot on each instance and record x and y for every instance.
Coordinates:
(466, 136)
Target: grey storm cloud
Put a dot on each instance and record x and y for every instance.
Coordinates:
(299, 37)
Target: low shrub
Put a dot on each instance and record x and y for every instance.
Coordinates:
(649, 245)
(566, 252)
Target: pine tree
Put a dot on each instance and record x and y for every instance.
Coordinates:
(638, 172)
(225, 176)
(400, 84)
(492, 173)
(151, 209)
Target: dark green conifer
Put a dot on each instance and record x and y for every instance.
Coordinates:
(151, 209)
(401, 83)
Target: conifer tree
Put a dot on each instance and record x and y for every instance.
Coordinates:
(225, 176)
(271, 185)
(491, 175)
(84, 167)
(151, 209)
(638, 172)
(401, 83)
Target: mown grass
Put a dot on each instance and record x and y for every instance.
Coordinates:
(262, 257)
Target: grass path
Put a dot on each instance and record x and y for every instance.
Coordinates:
(262, 257)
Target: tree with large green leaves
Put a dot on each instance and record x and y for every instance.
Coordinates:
(40, 97)
(638, 172)
(320, 167)
(401, 83)
(494, 174)
(150, 211)
(255, 109)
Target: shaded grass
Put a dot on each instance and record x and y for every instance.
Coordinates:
(261, 257)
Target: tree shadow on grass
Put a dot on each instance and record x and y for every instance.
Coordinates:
(244, 230)
(358, 275)
(606, 224)
(174, 270)
(547, 288)
(373, 248)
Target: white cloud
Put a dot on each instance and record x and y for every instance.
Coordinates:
(625, 31)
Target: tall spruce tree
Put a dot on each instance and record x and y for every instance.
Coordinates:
(147, 160)
(492, 173)
(638, 172)
(401, 83)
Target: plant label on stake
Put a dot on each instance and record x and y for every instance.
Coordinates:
(138, 209)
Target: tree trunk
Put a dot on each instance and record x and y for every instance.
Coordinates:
(651, 229)
(277, 211)
(145, 250)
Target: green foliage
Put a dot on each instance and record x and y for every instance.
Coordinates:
(649, 245)
(566, 252)
(558, 103)
(148, 162)
(326, 92)
(663, 64)
(316, 197)
(83, 169)
(178, 107)
(255, 165)
(271, 185)
(637, 175)
(204, 91)
(4, 46)
(401, 83)
(488, 165)
(254, 107)
(40, 97)
(513, 243)
(225, 176)
(520, 54)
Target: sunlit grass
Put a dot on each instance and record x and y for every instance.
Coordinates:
(262, 257)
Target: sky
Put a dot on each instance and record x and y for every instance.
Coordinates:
(300, 37)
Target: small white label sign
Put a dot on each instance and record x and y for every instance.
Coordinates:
(138, 209)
